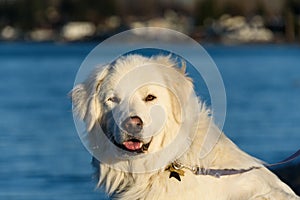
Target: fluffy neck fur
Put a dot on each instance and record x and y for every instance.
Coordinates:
(224, 155)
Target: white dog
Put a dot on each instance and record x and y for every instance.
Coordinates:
(140, 116)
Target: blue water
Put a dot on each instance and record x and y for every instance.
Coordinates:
(42, 156)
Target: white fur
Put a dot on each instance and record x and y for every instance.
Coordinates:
(89, 103)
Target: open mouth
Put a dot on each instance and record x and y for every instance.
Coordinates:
(134, 145)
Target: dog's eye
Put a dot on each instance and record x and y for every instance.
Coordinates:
(113, 99)
(150, 97)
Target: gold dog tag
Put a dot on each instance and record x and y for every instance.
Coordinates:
(176, 173)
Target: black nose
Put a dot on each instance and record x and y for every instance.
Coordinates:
(132, 124)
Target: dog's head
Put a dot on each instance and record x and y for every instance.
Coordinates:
(139, 102)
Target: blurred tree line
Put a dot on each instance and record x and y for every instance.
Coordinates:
(29, 14)
(281, 16)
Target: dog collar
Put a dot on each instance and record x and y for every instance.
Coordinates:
(176, 170)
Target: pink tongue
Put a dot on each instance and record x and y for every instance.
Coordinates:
(132, 145)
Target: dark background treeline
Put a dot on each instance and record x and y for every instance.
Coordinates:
(201, 19)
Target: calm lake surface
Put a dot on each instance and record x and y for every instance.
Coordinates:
(42, 156)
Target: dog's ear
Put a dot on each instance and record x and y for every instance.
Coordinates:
(85, 97)
(182, 90)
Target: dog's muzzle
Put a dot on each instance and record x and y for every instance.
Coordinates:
(133, 128)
